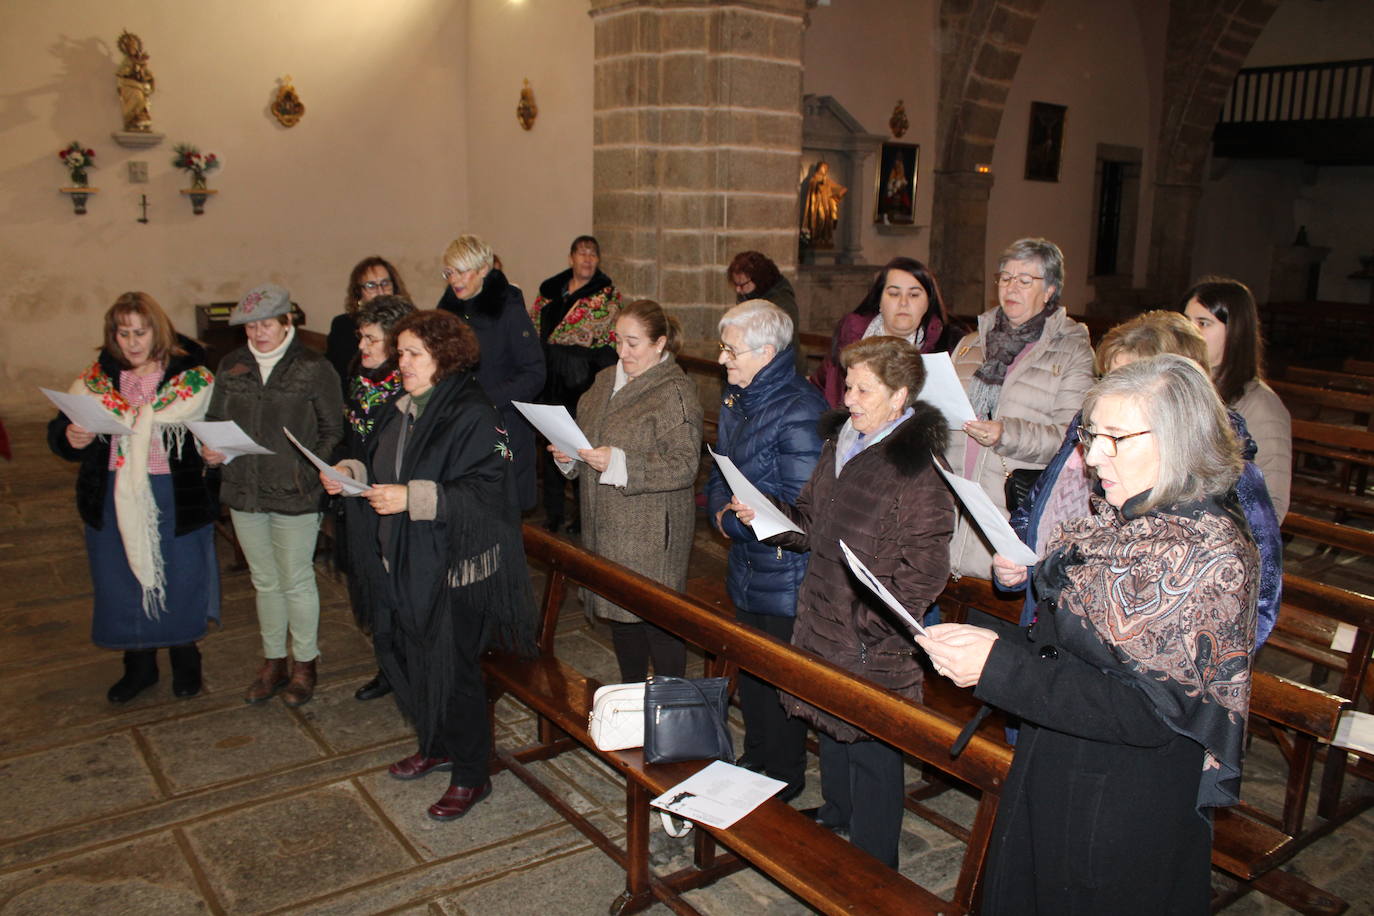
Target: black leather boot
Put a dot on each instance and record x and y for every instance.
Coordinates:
(374, 689)
(140, 673)
(185, 670)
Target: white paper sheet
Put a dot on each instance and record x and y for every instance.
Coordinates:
(944, 390)
(227, 438)
(718, 795)
(555, 424)
(867, 578)
(768, 519)
(1343, 640)
(85, 410)
(351, 487)
(989, 519)
(1355, 731)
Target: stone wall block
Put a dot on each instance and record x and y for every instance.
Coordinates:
(615, 35)
(785, 40)
(760, 170)
(761, 84)
(755, 211)
(996, 63)
(682, 283)
(688, 169)
(615, 170)
(613, 127)
(1010, 26)
(614, 84)
(683, 246)
(981, 90)
(687, 127)
(780, 245)
(981, 121)
(692, 209)
(685, 80)
(615, 208)
(685, 30)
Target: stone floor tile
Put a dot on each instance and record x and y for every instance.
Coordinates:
(35, 637)
(347, 724)
(147, 876)
(583, 883)
(228, 745)
(295, 849)
(74, 783)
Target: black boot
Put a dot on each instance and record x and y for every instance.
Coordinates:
(140, 672)
(374, 689)
(185, 670)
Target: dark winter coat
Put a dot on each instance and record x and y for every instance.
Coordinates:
(302, 394)
(577, 332)
(512, 363)
(769, 431)
(784, 297)
(195, 504)
(892, 508)
(830, 375)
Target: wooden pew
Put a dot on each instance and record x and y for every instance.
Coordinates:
(810, 861)
(1350, 447)
(1307, 402)
(1326, 378)
(1358, 367)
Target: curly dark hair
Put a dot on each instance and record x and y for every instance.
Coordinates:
(758, 267)
(383, 311)
(450, 341)
(355, 281)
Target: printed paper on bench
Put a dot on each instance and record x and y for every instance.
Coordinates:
(718, 795)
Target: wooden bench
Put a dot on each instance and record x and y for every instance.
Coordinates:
(1326, 378)
(1308, 402)
(1358, 367)
(810, 861)
(1351, 448)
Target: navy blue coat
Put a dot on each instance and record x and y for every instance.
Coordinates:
(769, 430)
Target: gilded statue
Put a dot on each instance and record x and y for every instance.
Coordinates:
(822, 213)
(135, 84)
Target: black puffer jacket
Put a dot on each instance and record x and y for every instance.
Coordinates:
(891, 507)
(195, 505)
(301, 394)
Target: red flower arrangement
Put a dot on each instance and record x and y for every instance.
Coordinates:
(77, 159)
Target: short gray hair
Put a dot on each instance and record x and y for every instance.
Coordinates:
(1198, 452)
(468, 252)
(763, 324)
(1047, 254)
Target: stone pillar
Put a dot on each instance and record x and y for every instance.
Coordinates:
(1171, 238)
(696, 145)
(958, 239)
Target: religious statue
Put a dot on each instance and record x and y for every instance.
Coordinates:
(822, 212)
(135, 83)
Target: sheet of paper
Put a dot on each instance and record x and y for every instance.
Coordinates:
(718, 795)
(1343, 640)
(226, 437)
(989, 519)
(555, 424)
(768, 519)
(86, 411)
(1355, 731)
(351, 487)
(867, 578)
(943, 390)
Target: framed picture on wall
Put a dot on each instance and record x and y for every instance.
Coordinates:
(1045, 142)
(895, 196)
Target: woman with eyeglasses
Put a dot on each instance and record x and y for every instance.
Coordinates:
(1026, 369)
(512, 359)
(1133, 682)
(371, 277)
(904, 301)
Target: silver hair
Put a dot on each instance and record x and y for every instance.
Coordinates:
(1199, 455)
(763, 324)
(468, 252)
(1047, 254)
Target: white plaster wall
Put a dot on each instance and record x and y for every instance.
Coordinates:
(379, 164)
(1090, 55)
(868, 54)
(530, 191)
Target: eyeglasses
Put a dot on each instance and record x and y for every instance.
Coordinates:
(1109, 443)
(1023, 281)
(377, 284)
(370, 338)
(731, 353)
(448, 273)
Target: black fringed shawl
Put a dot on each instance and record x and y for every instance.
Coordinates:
(469, 560)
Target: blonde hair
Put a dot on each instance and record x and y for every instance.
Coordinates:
(468, 252)
(1151, 334)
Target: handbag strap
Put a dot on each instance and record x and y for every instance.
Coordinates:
(722, 736)
(672, 831)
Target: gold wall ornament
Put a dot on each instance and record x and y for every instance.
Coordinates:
(287, 107)
(898, 121)
(134, 82)
(526, 111)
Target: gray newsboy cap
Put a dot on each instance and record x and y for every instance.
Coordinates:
(266, 301)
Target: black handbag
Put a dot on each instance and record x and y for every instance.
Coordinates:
(1018, 486)
(685, 719)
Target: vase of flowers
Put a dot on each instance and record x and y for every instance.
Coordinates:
(193, 161)
(77, 159)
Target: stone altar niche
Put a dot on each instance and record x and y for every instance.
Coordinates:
(832, 135)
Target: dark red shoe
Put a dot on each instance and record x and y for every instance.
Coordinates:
(457, 801)
(417, 765)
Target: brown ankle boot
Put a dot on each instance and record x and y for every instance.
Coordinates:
(302, 686)
(271, 678)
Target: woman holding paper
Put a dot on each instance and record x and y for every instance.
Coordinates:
(440, 558)
(904, 301)
(644, 416)
(768, 430)
(271, 383)
(876, 488)
(1026, 369)
(143, 497)
(1133, 682)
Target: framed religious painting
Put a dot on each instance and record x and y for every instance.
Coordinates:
(895, 196)
(1045, 142)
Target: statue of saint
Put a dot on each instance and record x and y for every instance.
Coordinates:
(822, 212)
(135, 83)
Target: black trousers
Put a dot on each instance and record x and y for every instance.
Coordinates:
(636, 643)
(773, 740)
(862, 787)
